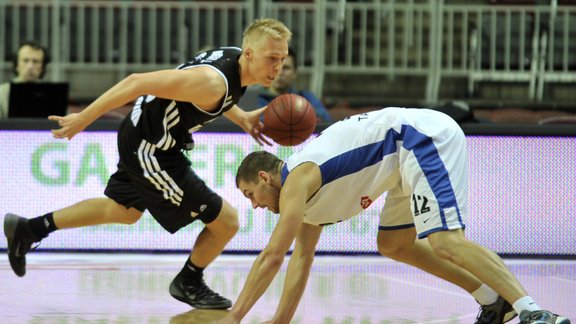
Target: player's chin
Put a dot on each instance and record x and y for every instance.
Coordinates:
(267, 82)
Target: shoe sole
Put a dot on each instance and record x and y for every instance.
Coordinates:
(10, 224)
(509, 316)
(558, 320)
(176, 294)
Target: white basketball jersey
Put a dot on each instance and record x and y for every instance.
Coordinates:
(368, 154)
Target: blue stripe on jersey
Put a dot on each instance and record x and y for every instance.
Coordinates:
(354, 160)
(359, 158)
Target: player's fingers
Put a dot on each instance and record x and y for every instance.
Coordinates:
(256, 135)
(62, 133)
(260, 110)
(265, 140)
(58, 119)
(56, 133)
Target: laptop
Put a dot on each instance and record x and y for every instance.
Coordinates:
(38, 99)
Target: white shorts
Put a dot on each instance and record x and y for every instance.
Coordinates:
(433, 192)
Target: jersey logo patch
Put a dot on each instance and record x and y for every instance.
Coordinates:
(365, 202)
(215, 55)
(202, 208)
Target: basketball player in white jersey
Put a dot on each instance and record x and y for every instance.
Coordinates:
(418, 157)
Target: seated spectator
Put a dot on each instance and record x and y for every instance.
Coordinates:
(283, 84)
(29, 66)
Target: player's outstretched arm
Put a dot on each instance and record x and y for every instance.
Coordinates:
(208, 89)
(298, 272)
(267, 264)
(300, 185)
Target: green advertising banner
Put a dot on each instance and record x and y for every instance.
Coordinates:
(520, 188)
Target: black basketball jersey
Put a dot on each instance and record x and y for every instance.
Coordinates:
(168, 123)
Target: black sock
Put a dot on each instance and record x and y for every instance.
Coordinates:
(43, 225)
(191, 271)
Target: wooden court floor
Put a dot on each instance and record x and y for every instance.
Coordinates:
(133, 288)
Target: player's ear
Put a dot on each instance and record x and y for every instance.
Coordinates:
(264, 176)
(248, 52)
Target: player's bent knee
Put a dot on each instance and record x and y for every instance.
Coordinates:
(231, 227)
(397, 242)
(386, 251)
(441, 251)
(392, 250)
(227, 221)
(447, 245)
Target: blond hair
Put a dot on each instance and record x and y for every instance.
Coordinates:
(263, 27)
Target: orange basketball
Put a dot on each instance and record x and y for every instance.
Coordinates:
(289, 119)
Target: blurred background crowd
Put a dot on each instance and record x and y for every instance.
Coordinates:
(502, 61)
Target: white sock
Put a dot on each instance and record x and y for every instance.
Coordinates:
(485, 295)
(525, 303)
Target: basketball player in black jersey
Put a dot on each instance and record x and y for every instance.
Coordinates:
(153, 173)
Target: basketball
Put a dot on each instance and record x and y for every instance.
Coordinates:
(289, 119)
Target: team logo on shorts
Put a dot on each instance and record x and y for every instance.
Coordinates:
(194, 214)
(365, 202)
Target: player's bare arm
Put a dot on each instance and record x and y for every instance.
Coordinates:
(300, 185)
(202, 86)
(249, 122)
(268, 263)
(298, 272)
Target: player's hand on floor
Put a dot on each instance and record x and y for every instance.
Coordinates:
(228, 319)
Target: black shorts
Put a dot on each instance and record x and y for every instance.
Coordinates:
(161, 182)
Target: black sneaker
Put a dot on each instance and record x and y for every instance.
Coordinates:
(197, 294)
(496, 313)
(542, 317)
(20, 239)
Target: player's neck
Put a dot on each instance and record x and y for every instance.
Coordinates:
(279, 170)
(245, 78)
